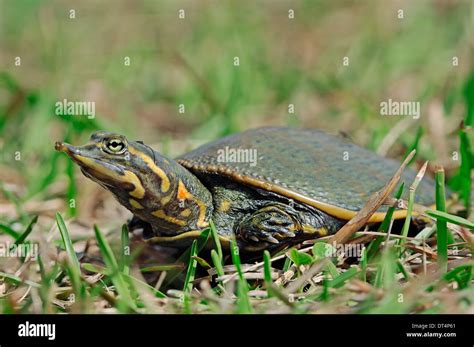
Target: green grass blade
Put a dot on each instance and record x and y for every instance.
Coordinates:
(234, 249)
(363, 265)
(386, 270)
(332, 269)
(444, 216)
(113, 269)
(462, 180)
(68, 243)
(215, 237)
(441, 225)
(402, 270)
(125, 250)
(243, 301)
(27, 231)
(21, 239)
(373, 247)
(287, 264)
(415, 144)
(217, 263)
(343, 277)
(100, 269)
(17, 280)
(462, 274)
(202, 240)
(155, 291)
(192, 265)
(411, 201)
(94, 268)
(9, 231)
(267, 272)
(190, 274)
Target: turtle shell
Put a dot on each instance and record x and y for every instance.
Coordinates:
(310, 166)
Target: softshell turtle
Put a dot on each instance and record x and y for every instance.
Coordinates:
(265, 187)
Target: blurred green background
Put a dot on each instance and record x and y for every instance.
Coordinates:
(190, 62)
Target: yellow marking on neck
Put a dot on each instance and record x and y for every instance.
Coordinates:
(185, 213)
(224, 206)
(127, 177)
(165, 182)
(135, 204)
(161, 214)
(184, 194)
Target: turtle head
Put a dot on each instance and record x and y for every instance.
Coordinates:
(154, 188)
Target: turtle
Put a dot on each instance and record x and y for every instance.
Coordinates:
(264, 188)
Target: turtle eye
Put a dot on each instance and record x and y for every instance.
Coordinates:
(115, 146)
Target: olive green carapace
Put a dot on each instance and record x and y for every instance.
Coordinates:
(311, 163)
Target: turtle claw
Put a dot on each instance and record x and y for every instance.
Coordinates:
(263, 236)
(254, 238)
(271, 239)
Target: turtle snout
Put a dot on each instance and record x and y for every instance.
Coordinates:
(65, 147)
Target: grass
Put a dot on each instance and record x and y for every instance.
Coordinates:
(71, 264)
(441, 226)
(316, 279)
(411, 201)
(243, 300)
(375, 244)
(89, 269)
(392, 275)
(267, 272)
(22, 237)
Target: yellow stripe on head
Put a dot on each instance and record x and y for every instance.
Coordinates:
(165, 182)
(127, 177)
(135, 204)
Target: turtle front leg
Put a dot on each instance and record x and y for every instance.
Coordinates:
(272, 224)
